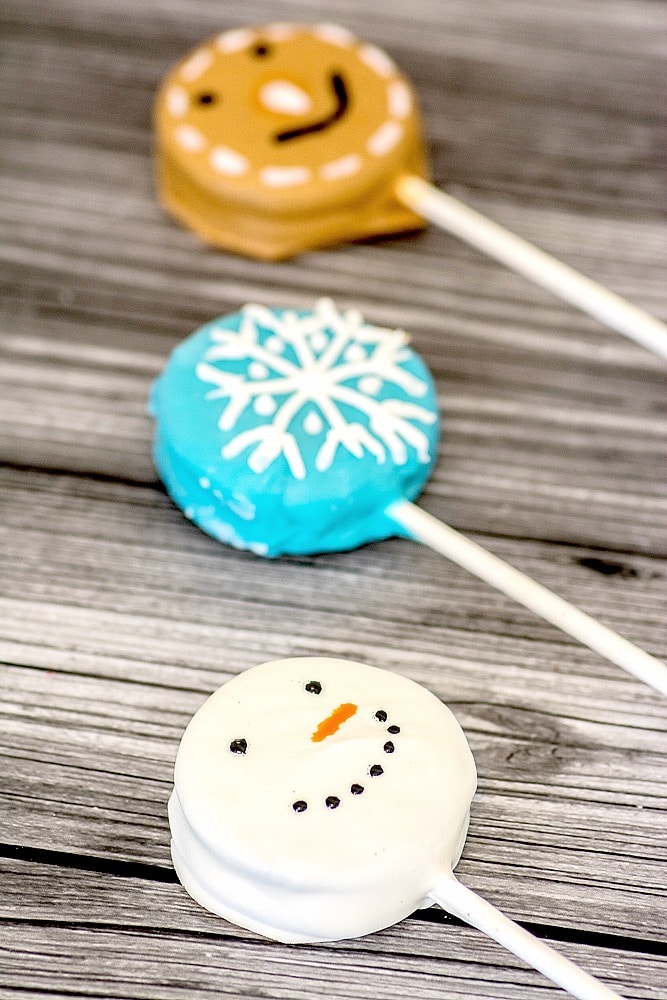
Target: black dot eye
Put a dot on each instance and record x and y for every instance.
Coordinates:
(389, 747)
(356, 789)
(393, 730)
(332, 802)
(314, 687)
(262, 49)
(299, 806)
(238, 746)
(376, 771)
(206, 98)
(381, 715)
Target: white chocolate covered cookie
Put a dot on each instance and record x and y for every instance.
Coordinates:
(317, 799)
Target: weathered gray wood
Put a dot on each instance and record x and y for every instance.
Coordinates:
(117, 617)
(100, 932)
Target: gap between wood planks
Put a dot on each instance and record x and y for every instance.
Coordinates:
(157, 873)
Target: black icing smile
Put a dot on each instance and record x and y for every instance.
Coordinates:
(342, 103)
(374, 771)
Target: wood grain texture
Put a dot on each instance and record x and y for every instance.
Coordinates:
(118, 618)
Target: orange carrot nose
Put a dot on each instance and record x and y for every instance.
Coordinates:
(333, 723)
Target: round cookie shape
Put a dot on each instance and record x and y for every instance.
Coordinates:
(275, 139)
(291, 432)
(319, 799)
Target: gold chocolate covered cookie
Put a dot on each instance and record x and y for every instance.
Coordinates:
(282, 138)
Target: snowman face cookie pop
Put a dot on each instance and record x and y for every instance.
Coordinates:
(275, 139)
(318, 799)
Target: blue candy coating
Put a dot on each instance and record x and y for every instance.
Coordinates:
(290, 432)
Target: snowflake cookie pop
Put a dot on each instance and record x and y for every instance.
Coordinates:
(318, 799)
(295, 432)
(282, 138)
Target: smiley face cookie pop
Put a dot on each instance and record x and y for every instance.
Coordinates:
(317, 799)
(282, 138)
(277, 139)
(297, 432)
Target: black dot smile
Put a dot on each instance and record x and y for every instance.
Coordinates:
(342, 97)
(374, 770)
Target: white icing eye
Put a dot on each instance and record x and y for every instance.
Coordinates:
(285, 98)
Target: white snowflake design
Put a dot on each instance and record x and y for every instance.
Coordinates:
(338, 360)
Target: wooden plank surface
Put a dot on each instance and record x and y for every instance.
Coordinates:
(118, 618)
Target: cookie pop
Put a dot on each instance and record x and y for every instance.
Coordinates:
(295, 432)
(317, 799)
(283, 138)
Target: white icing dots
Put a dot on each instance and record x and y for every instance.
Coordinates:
(370, 385)
(205, 482)
(234, 41)
(197, 64)
(281, 177)
(280, 32)
(190, 138)
(275, 345)
(228, 161)
(265, 406)
(313, 423)
(335, 34)
(285, 98)
(318, 340)
(377, 60)
(399, 99)
(385, 138)
(178, 102)
(257, 370)
(354, 352)
(346, 166)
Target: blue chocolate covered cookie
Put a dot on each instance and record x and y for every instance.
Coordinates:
(290, 432)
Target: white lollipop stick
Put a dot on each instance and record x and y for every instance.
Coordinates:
(425, 528)
(540, 267)
(468, 906)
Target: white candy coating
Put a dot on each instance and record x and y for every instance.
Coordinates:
(315, 815)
